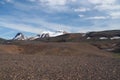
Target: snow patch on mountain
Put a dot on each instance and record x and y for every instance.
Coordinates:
(45, 34)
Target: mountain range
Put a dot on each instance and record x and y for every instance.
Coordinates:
(64, 36)
(106, 40)
(21, 36)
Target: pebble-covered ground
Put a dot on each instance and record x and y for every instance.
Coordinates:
(54, 67)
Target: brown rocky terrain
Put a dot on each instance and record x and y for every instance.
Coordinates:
(32, 60)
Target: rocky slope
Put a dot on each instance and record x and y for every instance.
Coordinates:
(31, 60)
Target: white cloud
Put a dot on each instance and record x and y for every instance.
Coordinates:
(48, 6)
(32, 0)
(53, 2)
(8, 1)
(81, 15)
(4, 1)
(98, 17)
(108, 7)
(20, 27)
(81, 9)
(60, 5)
(102, 1)
(105, 4)
(115, 15)
(73, 0)
(23, 26)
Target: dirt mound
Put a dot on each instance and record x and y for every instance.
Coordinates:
(83, 49)
(11, 49)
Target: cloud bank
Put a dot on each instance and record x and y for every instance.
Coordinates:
(37, 16)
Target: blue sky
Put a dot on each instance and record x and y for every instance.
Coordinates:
(36, 16)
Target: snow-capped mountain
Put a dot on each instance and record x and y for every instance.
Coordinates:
(56, 33)
(46, 34)
(19, 36)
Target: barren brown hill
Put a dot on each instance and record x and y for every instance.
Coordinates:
(34, 60)
(68, 48)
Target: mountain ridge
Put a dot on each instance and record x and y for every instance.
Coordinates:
(64, 36)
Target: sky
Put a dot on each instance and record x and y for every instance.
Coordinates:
(37, 16)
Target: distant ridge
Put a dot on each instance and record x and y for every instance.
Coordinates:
(76, 37)
(21, 36)
(108, 34)
(1, 39)
(62, 36)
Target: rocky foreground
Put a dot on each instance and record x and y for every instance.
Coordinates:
(79, 62)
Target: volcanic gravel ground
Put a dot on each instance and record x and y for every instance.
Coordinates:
(54, 67)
